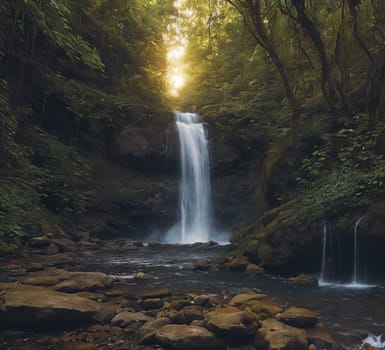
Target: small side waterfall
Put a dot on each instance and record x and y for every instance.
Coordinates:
(325, 278)
(355, 252)
(195, 187)
(323, 263)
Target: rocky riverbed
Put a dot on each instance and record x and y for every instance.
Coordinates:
(80, 294)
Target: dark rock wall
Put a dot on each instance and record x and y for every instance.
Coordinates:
(134, 182)
(149, 144)
(234, 178)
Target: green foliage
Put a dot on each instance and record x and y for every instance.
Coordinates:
(52, 19)
(63, 174)
(128, 35)
(337, 193)
(20, 212)
(49, 179)
(79, 64)
(342, 173)
(8, 125)
(81, 99)
(256, 120)
(351, 146)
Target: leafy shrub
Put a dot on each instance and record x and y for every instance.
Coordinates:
(63, 173)
(343, 173)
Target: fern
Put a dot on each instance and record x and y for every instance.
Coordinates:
(52, 19)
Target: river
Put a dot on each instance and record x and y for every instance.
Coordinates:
(348, 314)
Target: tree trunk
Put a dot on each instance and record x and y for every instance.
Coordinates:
(252, 13)
(376, 87)
(328, 69)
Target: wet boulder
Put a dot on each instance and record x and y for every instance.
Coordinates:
(84, 281)
(201, 265)
(255, 269)
(33, 307)
(244, 298)
(143, 276)
(126, 318)
(304, 279)
(34, 266)
(234, 325)
(7, 285)
(193, 313)
(205, 300)
(261, 309)
(107, 312)
(238, 264)
(275, 335)
(298, 317)
(177, 317)
(42, 280)
(183, 337)
(147, 333)
(64, 244)
(151, 304)
(153, 293)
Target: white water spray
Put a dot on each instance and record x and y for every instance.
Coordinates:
(195, 186)
(374, 341)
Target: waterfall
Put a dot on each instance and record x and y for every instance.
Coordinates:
(323, 264)
(195, 187)
(355, 252)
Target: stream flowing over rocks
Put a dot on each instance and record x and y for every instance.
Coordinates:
(129, 295)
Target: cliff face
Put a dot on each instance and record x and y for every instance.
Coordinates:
(134, 182)
(148, 144)
(234, 176)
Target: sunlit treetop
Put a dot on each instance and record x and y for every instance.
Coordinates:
(177, 42)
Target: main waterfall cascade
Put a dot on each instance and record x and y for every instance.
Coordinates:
(195, 187)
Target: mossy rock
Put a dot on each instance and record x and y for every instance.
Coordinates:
(257, 307)
(238, 264)
(240, 235)
(251, 249)
(265, 253)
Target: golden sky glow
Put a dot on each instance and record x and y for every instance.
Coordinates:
(175, 53)
(177, 42)
(175, 76)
